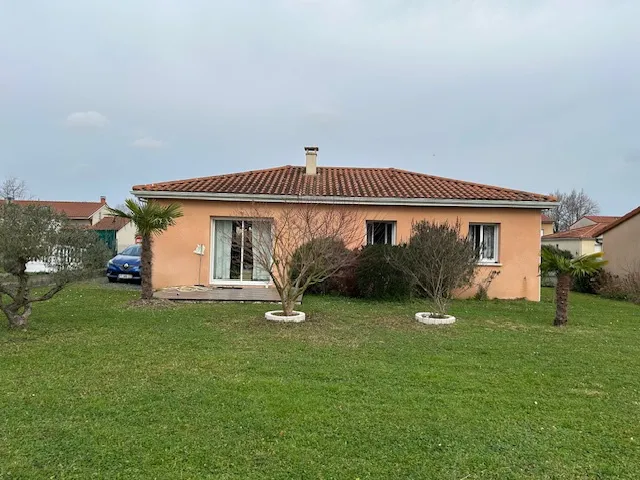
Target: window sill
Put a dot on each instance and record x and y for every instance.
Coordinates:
(488, 264)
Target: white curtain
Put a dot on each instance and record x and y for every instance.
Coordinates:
(222, 258)
(489, 241)
(261, 236)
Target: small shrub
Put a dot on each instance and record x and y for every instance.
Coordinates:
(342, 281)
(588, 283)
(626, 287)
(376, 278)
(611, 287)
(439, 260)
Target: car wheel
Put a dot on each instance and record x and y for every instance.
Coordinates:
(112, 280)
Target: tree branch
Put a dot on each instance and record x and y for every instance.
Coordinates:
(52, 291)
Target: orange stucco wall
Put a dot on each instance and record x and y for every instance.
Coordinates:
(519, 242)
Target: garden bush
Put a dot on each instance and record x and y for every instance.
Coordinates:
(626, 287)
(343, 281)
(588, 283)
(438, 259)
(377, 278)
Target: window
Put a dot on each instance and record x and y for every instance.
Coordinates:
(133, 251)
(235, 243)
(381, 233)
(485, 241)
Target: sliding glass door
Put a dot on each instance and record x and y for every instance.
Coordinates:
(239, 250)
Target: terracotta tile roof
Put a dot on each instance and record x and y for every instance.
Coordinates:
(601, 218)
(609, 226)
(110, 223)
(546, 219)
(343, 182)
(590, 231)
(73, 210)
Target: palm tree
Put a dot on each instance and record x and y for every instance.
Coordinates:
(150, 218)
(567, 268)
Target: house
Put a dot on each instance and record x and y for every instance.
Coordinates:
(547, 225)
(620, 244)
(582, 238)
(589, 220)
(506, 223)
(118, 233)
(79, 213)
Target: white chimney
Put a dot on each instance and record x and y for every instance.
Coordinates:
(311, 154)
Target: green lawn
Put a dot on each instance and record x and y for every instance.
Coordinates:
(96, 389)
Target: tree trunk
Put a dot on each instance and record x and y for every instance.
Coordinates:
(146, 260)
(287, 307)
(562, 299)
(287, 302)
(19, 309)
(18, 320)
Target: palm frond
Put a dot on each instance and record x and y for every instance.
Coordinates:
(554, 262)
(150, 217)
(587, 264)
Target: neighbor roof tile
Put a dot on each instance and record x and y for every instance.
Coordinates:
(73, 210)
(601, 218)
(110, 223)
(590, 231)
(612, 225)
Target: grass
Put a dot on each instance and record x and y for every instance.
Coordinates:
(96, 389)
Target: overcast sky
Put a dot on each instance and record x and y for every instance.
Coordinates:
(96, 96)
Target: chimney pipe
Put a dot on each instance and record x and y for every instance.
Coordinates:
(103, 200)
(311, 156)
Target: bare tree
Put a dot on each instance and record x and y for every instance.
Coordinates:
(13, 189)
(571, 207)
(438, 259)
(300, 245)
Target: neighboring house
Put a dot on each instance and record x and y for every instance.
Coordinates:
(582, 238)
(620, 244)
(505, 222)
(80, 213)
(118, 233)
(589, 220)
(547, 225)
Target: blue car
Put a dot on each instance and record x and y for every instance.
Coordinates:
(126, 265)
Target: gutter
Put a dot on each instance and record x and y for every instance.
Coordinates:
(411, 202)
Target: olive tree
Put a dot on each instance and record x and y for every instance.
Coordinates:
(38, 234)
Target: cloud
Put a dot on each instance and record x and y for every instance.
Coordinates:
(632, 156)
(87, 119)
(148, 142)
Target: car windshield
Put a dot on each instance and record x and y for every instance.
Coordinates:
(132, 251)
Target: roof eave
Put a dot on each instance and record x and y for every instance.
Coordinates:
(415, 202)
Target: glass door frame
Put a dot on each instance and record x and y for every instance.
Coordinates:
(212, 257)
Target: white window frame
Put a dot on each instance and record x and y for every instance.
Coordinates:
(496, 239)
(228, 281)
(391, 223)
